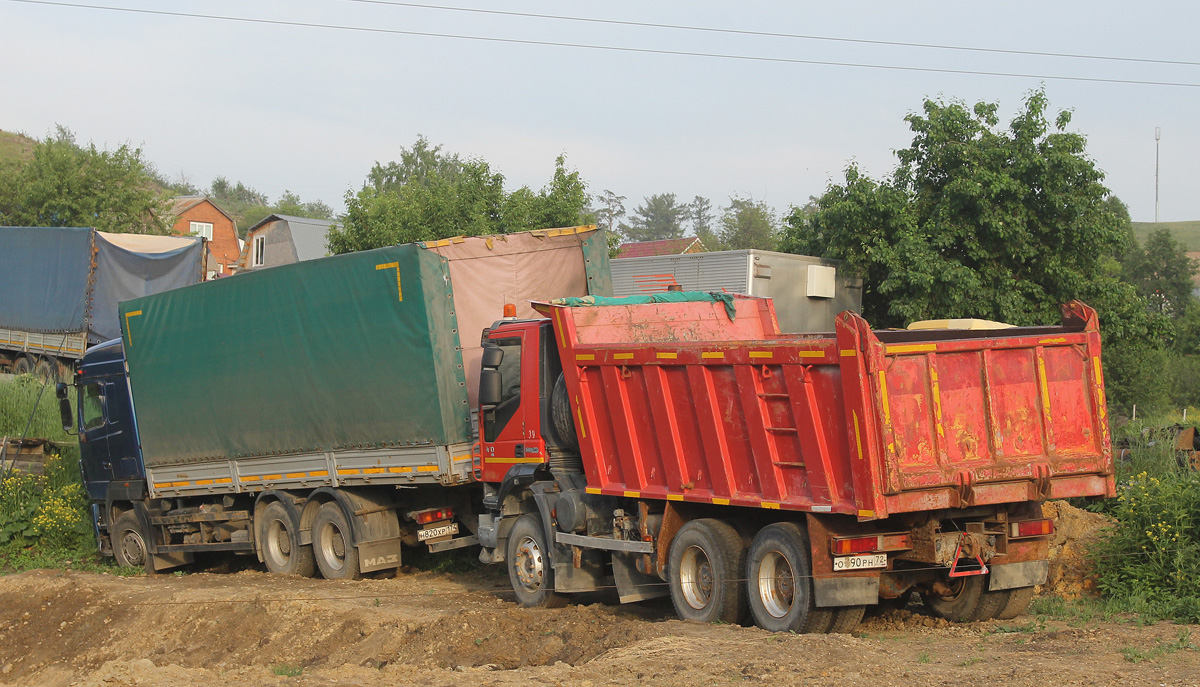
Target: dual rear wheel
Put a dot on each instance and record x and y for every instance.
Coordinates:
(715, 578)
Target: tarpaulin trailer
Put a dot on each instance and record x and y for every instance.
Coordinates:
(317, 414)
(59, 288)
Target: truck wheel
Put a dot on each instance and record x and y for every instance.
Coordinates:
(45, 370)
(129, 542)
(23, 366)
(529, 568)
(279, 538)
(962, 603)
(333, 546)
(704, 569)
(780, 581)
(560, 414)
(1018, 601)
(846, 618)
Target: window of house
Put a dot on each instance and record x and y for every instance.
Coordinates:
(202, 229)
(260, 250)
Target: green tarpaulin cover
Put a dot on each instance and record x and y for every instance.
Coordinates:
(358, 350)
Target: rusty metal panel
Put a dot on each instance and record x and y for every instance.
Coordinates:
(676, 401)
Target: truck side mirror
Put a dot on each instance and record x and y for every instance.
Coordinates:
(491, 385)
(64, 406)
(492, 356)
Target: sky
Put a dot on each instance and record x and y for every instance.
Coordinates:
(286, 103)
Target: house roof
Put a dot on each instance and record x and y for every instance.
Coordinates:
(308, 235)
(181, 204)
(645, 249)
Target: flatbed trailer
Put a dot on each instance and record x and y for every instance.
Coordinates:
(695, 449)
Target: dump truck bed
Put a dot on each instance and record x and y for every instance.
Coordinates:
(681, 402)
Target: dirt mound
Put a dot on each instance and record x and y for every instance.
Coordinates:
(1072, 575)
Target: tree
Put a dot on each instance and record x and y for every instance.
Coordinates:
(746, 223)
(1162, 273)
(429, 194)
(612, 208)
(290, 204)
(66, 184)
(659, 217)
(983, 221)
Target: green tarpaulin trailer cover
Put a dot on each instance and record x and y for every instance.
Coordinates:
(355, 351)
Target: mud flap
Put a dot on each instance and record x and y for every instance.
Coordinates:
(1014, 575)
(633, 585)
(378, 555)
(166, 561)
(846, 591)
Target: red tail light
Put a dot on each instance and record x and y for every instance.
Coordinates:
(434, 514)
(1031, 528)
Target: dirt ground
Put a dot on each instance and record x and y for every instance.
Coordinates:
(252, 628)
(63, 628)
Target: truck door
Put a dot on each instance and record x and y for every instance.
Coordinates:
(510, 431)
(94, 455)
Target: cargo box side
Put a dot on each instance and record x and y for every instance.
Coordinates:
(349, 352)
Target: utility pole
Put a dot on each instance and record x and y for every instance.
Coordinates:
(1157, 135)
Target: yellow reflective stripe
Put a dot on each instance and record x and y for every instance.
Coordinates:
(667, 356)
(713, 355)
(911, 348)
(622, 356)
(396, 266)
(761, 354)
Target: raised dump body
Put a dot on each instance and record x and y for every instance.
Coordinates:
(687, 402)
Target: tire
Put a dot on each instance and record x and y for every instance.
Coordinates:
(846, 618)
(560, 415)
(962, 605)
(45, 370)
(23, 366)
(333, 547)
(129, 542)
(279, 538)
(1018, 601)
(529, 569)
(779, 582)
(704, 571)
(991, 604)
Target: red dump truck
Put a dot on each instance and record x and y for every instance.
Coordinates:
(687, 447)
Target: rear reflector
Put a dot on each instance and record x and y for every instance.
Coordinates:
(874, 542)
(1031, 528)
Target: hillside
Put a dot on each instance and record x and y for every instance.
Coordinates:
(15, 147)
(1187, 233)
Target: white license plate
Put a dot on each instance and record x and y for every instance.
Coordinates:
(863, 562)
(428, 533)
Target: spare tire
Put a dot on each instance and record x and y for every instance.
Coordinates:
(560, 415)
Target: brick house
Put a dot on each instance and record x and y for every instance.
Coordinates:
(200, 216)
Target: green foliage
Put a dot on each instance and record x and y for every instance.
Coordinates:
(1162, 273)
(746, 223)
(287, 670)
(66, 184)
(249, 207)
(999, 223)
(1152, 555)
(41, 516)
(431, 195)
(700, 215)
(659, 217)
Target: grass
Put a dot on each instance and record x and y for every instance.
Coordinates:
(1182, 642)
(15, 147)
(923, 657)
(285, 670)
(1187, 233)
(43, 518)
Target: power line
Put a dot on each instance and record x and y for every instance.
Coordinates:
(609, 48)
(773, 34)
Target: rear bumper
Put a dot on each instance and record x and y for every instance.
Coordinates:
(1000, 492)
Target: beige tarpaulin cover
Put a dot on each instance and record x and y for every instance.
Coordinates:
(143, 243)
(489, 271)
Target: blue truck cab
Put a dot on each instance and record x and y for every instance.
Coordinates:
(109, 451)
